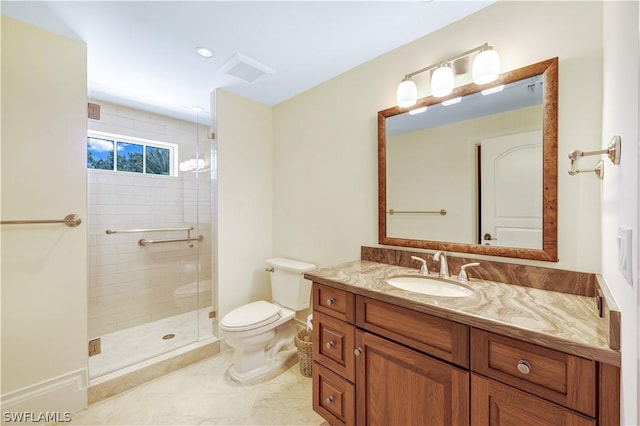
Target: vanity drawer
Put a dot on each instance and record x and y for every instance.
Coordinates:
(447, 340)
(556, 376)
(334, 302)
(333, 345)
(333, 397)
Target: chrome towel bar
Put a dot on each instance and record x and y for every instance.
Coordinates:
(441, 212)
(71, 220)
(132, 231)
(145, 242)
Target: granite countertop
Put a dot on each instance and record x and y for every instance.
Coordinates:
(560, 321)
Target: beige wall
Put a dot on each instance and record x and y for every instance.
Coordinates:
(621, 183)
(44, 268)
(325, 140)
(244, 207)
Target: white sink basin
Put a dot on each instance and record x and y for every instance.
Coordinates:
(429, 285)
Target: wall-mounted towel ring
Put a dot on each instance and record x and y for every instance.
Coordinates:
(612, 151)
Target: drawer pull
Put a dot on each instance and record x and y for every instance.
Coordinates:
(357, 351)
(331, 301)
(523, 366)
(330, 344)
(329, 400)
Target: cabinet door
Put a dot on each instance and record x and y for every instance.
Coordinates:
(400, 386)
(496, 404)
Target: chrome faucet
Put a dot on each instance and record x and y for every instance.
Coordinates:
(444, 266)
(424, 269)
(462, 276)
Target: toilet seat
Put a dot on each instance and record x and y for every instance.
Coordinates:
(251, 316)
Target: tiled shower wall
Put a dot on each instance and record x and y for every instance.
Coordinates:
(130, 284)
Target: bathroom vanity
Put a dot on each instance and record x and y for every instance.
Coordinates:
(506, 354)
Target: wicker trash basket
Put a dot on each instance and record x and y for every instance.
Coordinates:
(304, 343)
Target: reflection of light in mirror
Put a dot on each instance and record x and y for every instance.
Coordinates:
(493, 90)
(418, 110)
(451, 101)
(191, 164)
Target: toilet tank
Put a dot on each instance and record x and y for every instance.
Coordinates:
(288, 286)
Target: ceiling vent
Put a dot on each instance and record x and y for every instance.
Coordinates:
(244, 68)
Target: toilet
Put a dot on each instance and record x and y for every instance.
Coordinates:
(258, 331)
(192, 296)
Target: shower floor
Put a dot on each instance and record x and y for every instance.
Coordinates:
(140, 343)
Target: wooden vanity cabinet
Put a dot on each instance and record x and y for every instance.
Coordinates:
(376, 363)
(388, 382)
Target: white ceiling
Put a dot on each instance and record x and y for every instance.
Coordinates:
(142, 54)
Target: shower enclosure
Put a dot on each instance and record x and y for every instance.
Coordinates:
(150, 237)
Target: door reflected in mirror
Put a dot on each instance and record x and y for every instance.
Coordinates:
(489, 159)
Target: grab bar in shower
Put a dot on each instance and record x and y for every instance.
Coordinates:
(132, 231)
(145, 242)
(441, 212)
(71, 220)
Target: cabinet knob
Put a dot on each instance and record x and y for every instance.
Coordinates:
(523, 366)
(331, 301)
(357, 351)
(329, 400)
(330, 344)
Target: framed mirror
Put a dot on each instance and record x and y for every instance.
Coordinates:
(476, 171)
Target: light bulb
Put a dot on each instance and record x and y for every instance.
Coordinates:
(486, 66)
(442, 81)
(407, 94)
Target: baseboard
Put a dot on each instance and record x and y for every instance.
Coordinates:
(63, 394)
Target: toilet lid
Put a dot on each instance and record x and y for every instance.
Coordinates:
(253, 315)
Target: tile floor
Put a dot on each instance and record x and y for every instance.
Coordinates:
(203, 394)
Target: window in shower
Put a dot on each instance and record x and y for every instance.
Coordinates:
(113, 152)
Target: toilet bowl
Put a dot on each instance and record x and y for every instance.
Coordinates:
(192, 296)
(259, 331)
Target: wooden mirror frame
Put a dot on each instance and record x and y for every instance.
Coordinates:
(549, 251)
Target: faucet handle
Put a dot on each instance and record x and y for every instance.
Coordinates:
(462, 276)
(424, 269)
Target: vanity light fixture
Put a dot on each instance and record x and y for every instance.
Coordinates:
(485, 69)
(486, 66)
(442, 81)
(407, 94)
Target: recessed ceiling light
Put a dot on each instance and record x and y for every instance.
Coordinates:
(204, 52)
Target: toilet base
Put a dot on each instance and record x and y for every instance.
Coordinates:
(283, 358)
